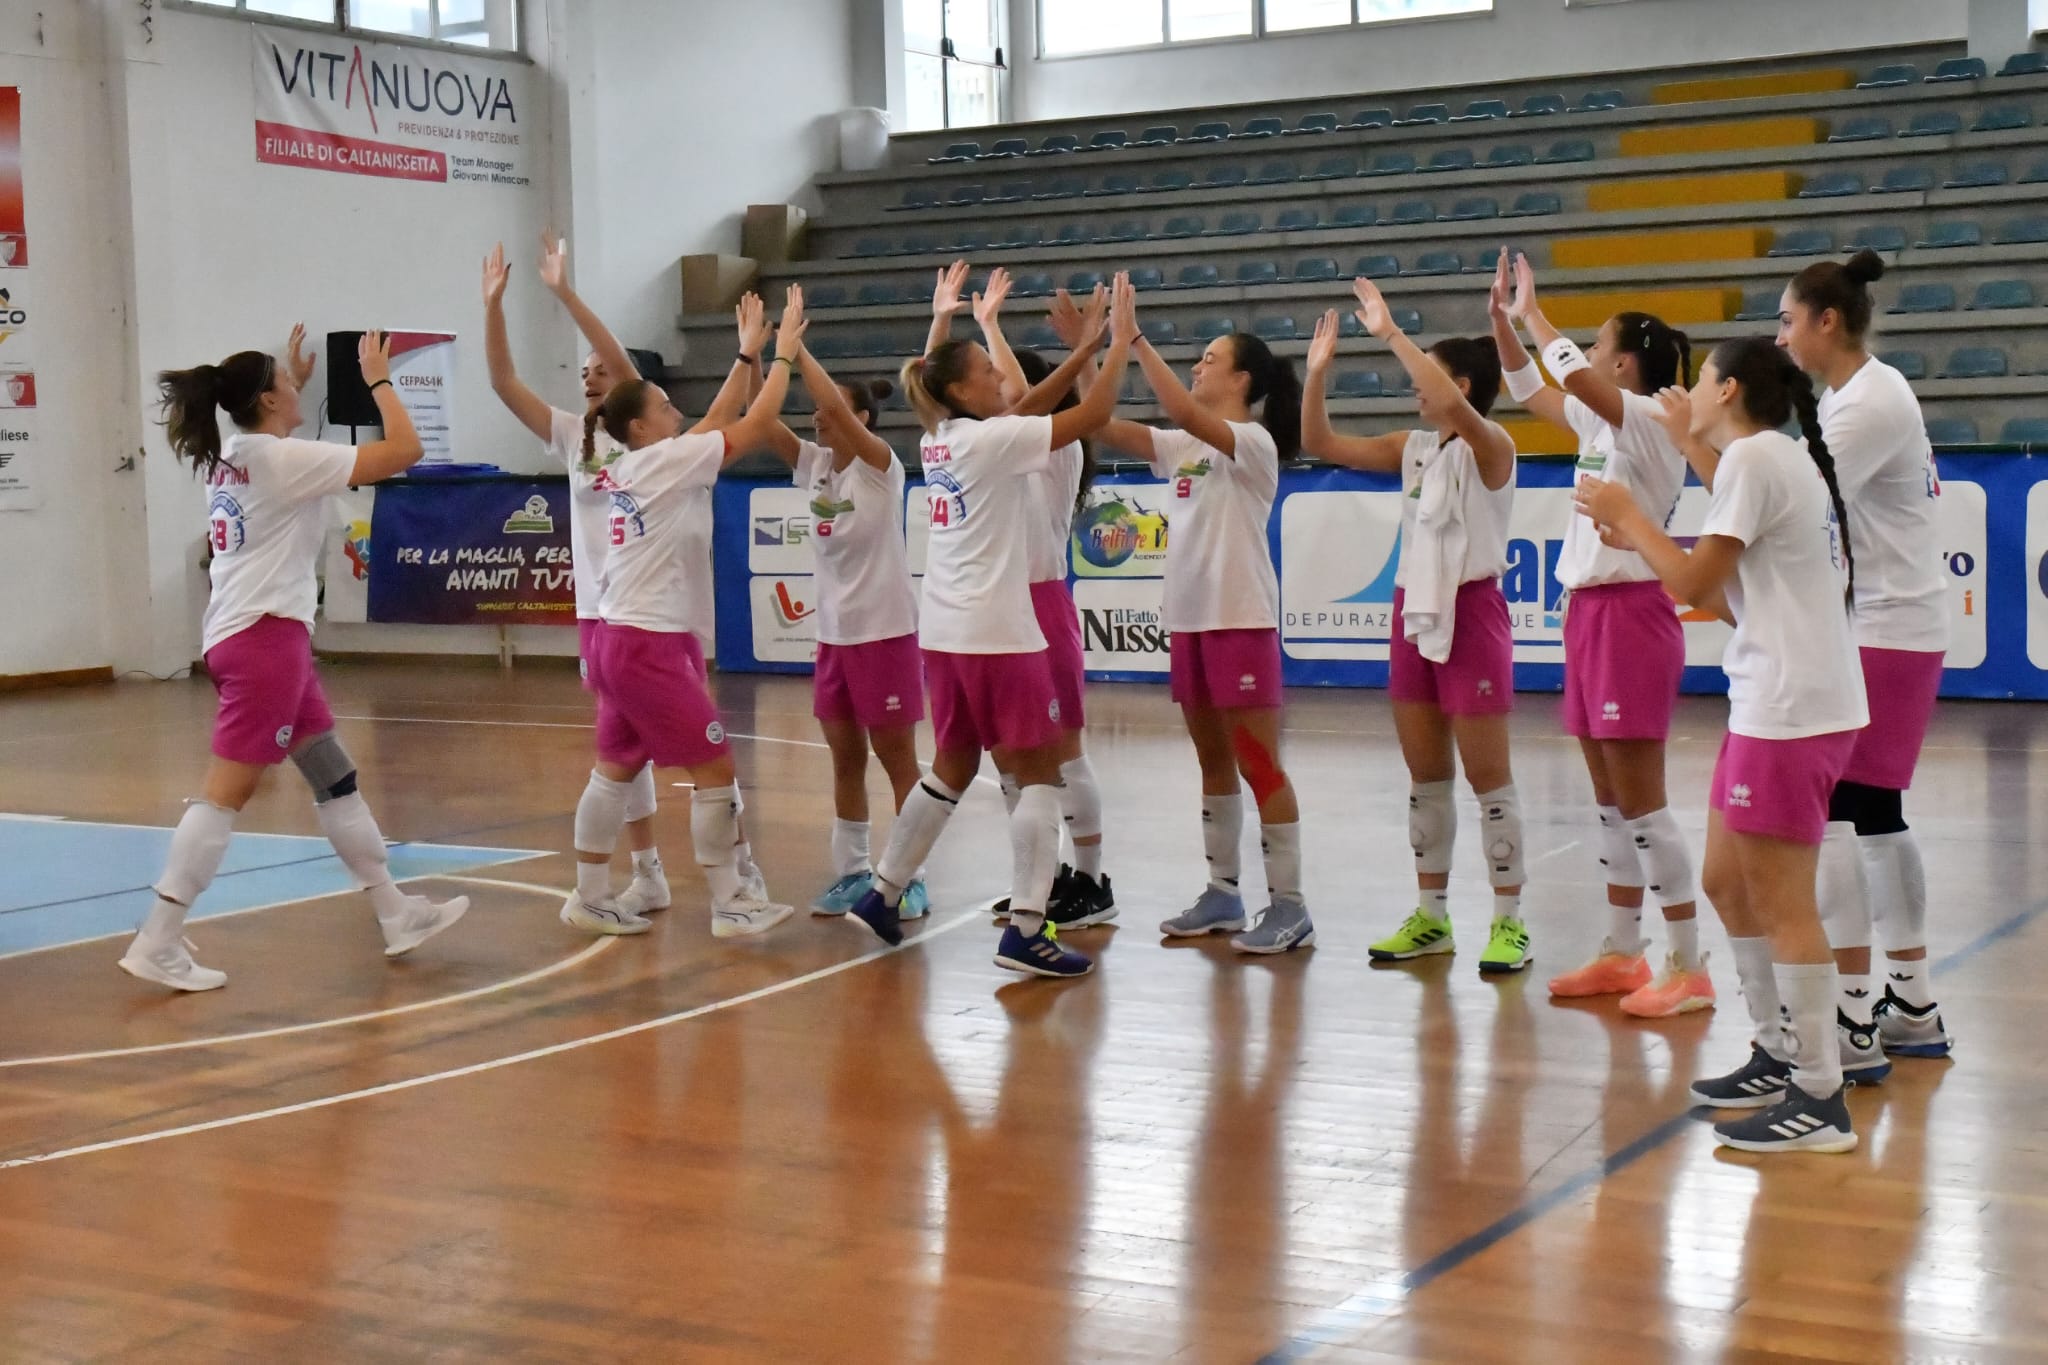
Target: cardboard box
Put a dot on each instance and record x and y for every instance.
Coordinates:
(713, 284)
(773, 233)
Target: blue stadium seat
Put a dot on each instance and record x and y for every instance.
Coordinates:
(1981, 175)
(1959, 69)
(1935, 297)
(1512, 154)
(1911, 364)
(1160, 332)
(1167, 182)
(1905, 180)
(917, 244)
(1109, 140)
(1009, 192)
(1298, 220)
(1975, 362)
(959, 151)
(825, 296)
(1355, 216)
(1340, 167)
(2003, 294)
(1037, 285)
(1258, 272)
(1535, 203)
(1072, 234)
(1803, 242)
(1562, 152)
(2022, 231)
(2036, 174)
(1348, 325)
(917, 197)
(1888, 77)
(1760, 306)
(1424, 114)
(1473, 210)
(1951, 234)
(1832, 185)
(1357, 384)
(1369, 118)
(1878, 237)
(828, 348)
(2025, 64)
(876, 295)
(1598, 101)
(1316, 268)
(1480, 110)
(2024, 431)
(1208, 132)
(1224, 177)
(1450, 159)
(1934, 123)
(1868, 128)
(1186, 225)
(1275, 173)
(1392, 163)
(1124, 230)
(1261, 127)
(1952, 431)
(1208, 329)
(1437, 263)
(1055, 144)
(1083, 281)
(1410, 212)
(1148, 277)
(964, 196)
(2003, 118)
(964, 242)
(874, 343)
(1197, 277)
(1066, 187)
(1115, 183)
(1314, 123)
(1379, 267)
(1537, 106)
(1484, 263)
(1408, 320)
(1040, 336)
(870, 246)
(1017, 146)
(1275, 329)
(1159, 135)
(1237, 225)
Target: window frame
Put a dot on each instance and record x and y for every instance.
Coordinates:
(1259, 33)
(239, 10)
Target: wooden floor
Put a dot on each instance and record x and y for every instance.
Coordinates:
(807, 1149)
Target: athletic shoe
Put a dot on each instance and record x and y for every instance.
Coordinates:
(648, 892)
(606, 917)
(420, 921)
(1676, 990)
(1863, 1060)
(880, 916)
(170, 965)
(1759, 1082)
(1062, 886)
(1796, 1123)
(1613, 972)
(1215, 911)
(746, 915)
(1087, 901)
(1419, 935)
(1507, 947)
(1908, 1032)
(1283, 925)
(1039, 955)
(916, 902)
(842, 895)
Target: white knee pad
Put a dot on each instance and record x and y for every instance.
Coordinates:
(1666, 861)
(197, 847)
(1618, 849)
(1842, 888)
(1500, 817)
(715, 824)
(1080, 798)
(600, 814)
(1432, 826)
(640, 797)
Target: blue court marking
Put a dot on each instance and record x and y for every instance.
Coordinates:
(71, 880)
(1386, 1298)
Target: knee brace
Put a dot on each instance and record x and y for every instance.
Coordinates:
(600, 814)
(1666, 862)
(1432, 826)
(1500, 815)
(640, 797)
(1842, 889)
(1873, 810)
(1080, 799)
(1618, 849)
(327, 768)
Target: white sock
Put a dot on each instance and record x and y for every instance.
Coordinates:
(1840, 888)
(742, 847)
(1507, 905)
(1753, 969)
(1010, 792)
(1808, 992)
(594, 883)
(1625, 928)
(1898, 889)
(1034, 855)
(640, 795)
(197, 847)
(1856, 1001)
(647, 862)
(1282, 846)
(1910, 981)
(849, 848)
(349, 826)
(1081, 810)
(1222, 838)
(918, 826)
(715, 837)
(1437, 904)
(1684, 936)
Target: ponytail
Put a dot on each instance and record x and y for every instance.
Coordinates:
(867, 397)
(926, 379)
(1037, 369)
(1663, 353)
(1275, 384)
(189, 402)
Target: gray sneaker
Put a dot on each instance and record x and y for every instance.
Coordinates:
(1284, 925)
(1863, 1059)
(1216, 912)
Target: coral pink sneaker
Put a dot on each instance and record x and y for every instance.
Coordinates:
(1675, 991)
(1612, 973)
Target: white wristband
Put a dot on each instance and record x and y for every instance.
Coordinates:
(1563, 359)
(1524, 384)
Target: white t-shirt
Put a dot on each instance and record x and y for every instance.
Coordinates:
(1057, 489)
(1885, 467)
(1485, 512)
(657, 572)
(1639, 456)
(1792, 665)
(590, 503)
(864, 587)
(1219, 566)
(266, 519)
(986, 510)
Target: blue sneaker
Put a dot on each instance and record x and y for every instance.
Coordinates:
(843, 894)
(1214, 912)
(1285, 925)
(880, 916)
(1039, 955)
(916, 903)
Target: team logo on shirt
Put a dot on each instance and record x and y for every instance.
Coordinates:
(948, 498)
(1738, 795)
(534, 519)
(824, 509)
(1184, 477)
(228, 528)
(284, 737)
(626, 521)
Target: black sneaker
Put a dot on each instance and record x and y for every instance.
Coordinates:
(1797, 1123)
(1080, 900)
(1863, 1059)
(1759, 1082)
(1000, 911)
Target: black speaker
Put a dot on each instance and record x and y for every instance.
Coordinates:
(349, 403)
(649, 363)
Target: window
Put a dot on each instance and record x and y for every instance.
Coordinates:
(952, 63)
(473, 23)
(1070, 27)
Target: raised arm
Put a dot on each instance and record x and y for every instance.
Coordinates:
(945, 303)
(529, 407)
(1597, 392)
(755, 430)
(755, 334)
(1093, 412)
(1381, 454)
(1491, 448)
(1070, 324)
(1674, 414)
(849, 439)
(1520, 375)
(554, 273)
(1698, 578)
(400, 448)
(988, 310)
(1132, 438)
(734, 394)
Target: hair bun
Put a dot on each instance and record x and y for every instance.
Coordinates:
(881, 389)
(1865, 267)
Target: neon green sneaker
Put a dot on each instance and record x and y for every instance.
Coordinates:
(1419, 935)
(1507, 947)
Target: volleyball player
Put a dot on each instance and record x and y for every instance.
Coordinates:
(1775, 560)
(1451, 657)
(267, 517)
(1624, 649)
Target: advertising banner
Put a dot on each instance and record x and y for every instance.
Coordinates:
(489, 552)
(423, 374)
(18, 491)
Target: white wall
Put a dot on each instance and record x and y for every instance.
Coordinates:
(1521, 39)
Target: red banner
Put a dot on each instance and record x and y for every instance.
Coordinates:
(282, 145)
(13, 225)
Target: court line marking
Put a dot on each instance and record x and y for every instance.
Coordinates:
(573, 960)
(975, 916)
(1375, 1302)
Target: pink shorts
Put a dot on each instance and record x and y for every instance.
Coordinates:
(586, 650)
(1779, 787)
(1902, 685)
(652, 701)
(1053, 603)
(270, 697)
(878, 685)
(991, 701)
(1479, 677)
(1226, 669)
(1624, 652)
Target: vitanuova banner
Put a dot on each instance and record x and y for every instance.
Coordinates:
(405, 113)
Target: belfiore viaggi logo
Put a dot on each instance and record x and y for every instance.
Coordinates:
(1109, 534)
(401, 82)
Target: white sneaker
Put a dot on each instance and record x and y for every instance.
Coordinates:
(747, 914)
(171, 966)
(647, 894)
(753, 886)
(420, 921)
(605, 917)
